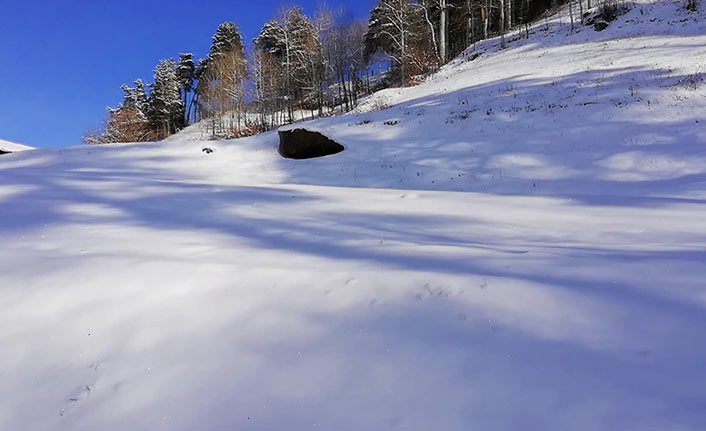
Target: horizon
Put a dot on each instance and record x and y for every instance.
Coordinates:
(69, 60)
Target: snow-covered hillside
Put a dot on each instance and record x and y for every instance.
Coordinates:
(620, 110)
(11, 147)
(517, 243)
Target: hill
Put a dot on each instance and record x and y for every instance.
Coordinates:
(616, 112)
(518, 242)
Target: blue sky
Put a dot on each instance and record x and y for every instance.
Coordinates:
(63, 61)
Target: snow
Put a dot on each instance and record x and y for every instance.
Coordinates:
(537, 267)
(11, 147)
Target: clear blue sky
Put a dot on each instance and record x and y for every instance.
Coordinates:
(63, 61)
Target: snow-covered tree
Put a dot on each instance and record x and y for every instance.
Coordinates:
(135, 96)
(226, 40)
(166, 106)
(294, 41)
(307, 63)
(186, 72)
(222, 75)
(129, 122)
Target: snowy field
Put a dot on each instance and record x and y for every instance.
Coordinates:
(521, 246)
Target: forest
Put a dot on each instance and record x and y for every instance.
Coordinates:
(303, 66)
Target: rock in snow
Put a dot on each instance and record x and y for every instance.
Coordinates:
(600, 24)
(300, 143)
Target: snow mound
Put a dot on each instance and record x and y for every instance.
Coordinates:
(11, 147)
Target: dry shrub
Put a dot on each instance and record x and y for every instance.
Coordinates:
(242, 132)
(127, 124)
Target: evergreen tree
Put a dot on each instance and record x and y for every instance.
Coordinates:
(305, 56)
(222, 75)
(271, 73)
(165, 104)
(295, 43)
(135, 96)
(272, 39)
(186, 71)
(226, 40)
(199, 74)
(128, 122)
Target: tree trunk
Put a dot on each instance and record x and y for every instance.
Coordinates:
(403, 52)
(443, 42)
(509, 14)
(486, 18)
(432, 32)
(581, 11)
(469, 24)
(502, 23)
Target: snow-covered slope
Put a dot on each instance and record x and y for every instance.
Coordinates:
(618, 111)
(521, 246)
(11, 147)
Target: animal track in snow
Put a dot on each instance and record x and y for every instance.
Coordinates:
(80, 393)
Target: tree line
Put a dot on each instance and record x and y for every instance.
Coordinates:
(301, 65)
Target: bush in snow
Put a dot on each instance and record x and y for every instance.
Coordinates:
(609, 10)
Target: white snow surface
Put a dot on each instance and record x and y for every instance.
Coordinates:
(11, 147)
(522, 246)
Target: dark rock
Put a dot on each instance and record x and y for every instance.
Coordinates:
(305, 144)
(474, 56)
(600, 24)
(4, 152)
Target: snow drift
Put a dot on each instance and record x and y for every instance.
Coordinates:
(11, 147)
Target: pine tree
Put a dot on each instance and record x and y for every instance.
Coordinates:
(201, 84)
(295, 43)
(222, 75)
(272, 39)
(128, 122)
(305, 54)
(135, 96)
(226, 40)
(165, 104)
(186, 72)
(271, 73)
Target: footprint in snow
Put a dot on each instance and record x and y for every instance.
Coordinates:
(80, 393)
(434, 292)
(77, 395)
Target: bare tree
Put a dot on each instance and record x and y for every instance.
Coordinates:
(398, 30)
(222, 93)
